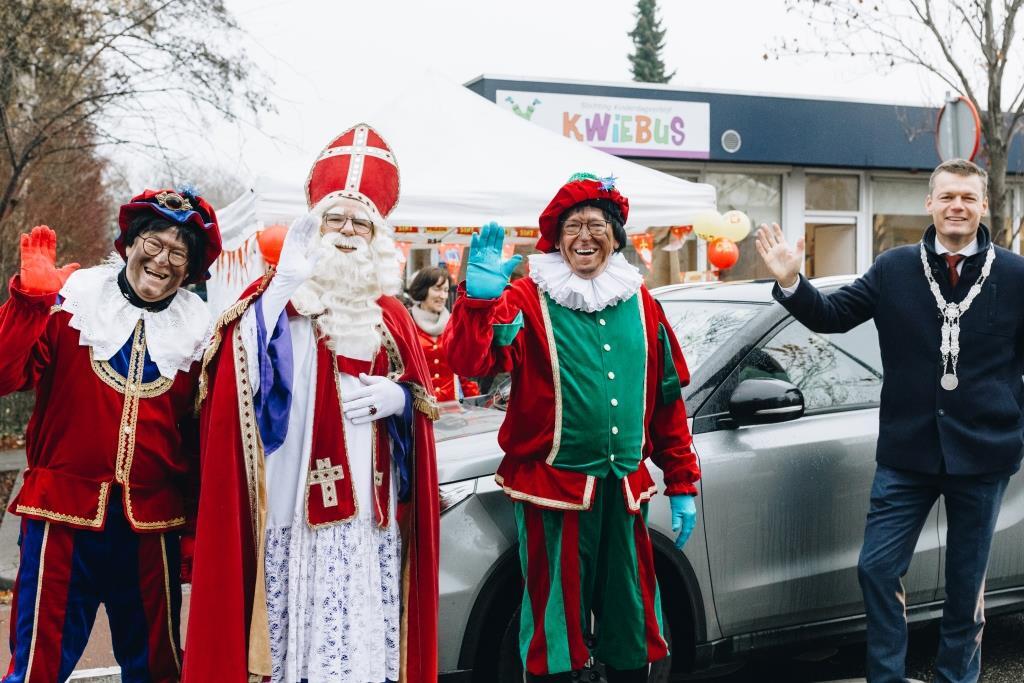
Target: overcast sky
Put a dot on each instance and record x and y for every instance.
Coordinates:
(335, 62)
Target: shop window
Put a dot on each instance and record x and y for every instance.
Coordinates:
(759, 195)
(899, 215)
(832, 192)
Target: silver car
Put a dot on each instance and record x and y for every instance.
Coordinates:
(784, 422)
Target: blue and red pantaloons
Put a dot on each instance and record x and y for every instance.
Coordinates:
(580, 562)
(66, 573)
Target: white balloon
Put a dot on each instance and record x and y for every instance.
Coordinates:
(708, 225)
(736, 225)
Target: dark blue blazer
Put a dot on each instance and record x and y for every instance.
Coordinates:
(976, 428)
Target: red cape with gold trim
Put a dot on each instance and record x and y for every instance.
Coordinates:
(227, 639)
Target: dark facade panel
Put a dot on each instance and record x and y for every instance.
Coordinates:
(786, 130)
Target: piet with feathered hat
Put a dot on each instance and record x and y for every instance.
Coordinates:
(111, 353)
(597, 375)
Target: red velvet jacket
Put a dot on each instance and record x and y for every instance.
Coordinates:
(93, 430)
(440, 371)
(530, 434)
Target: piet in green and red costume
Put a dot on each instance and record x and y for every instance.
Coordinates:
(597, 376)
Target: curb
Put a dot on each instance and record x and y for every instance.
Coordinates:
(108, 675)
(10, 553)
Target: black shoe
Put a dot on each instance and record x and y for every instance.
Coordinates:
(626, 675)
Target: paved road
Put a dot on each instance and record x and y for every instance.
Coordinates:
(1002, 659)
(98, 653)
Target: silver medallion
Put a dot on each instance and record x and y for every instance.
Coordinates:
(949, 382)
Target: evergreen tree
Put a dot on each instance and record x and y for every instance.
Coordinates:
(648, 39)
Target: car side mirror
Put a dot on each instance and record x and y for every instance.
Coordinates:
(765, 401)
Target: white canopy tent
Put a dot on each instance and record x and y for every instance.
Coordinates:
(463, 162)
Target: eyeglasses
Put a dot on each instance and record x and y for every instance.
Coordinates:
(153, 247)
(595, 228)
(335, 222)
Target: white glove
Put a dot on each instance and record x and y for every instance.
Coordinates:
(295, 265)
(378, 397)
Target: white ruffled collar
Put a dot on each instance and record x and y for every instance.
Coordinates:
(619, 281)
(175, 336)
(431, 323)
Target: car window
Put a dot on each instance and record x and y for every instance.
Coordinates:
(704, 326)
(834, 371)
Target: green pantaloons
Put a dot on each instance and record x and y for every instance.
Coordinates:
(580, 562)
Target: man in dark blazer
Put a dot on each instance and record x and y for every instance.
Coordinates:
(950, 317)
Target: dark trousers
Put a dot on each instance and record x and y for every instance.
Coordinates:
(66, 573)
(900, 503)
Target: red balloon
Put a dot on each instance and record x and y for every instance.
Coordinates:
(723, 253)
(271, 239)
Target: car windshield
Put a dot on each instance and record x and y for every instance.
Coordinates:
(465, 420)
(704, 326)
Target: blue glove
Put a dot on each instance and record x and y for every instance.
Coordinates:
(487, 275)
(684, 517)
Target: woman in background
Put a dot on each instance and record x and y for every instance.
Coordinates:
(429, 293)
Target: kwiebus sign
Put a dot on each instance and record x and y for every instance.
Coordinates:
(619, 125)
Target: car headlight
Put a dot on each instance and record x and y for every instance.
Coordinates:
(456, 492)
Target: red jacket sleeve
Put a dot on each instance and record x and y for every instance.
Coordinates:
(23, 321)
(469, 336)
(669, 432)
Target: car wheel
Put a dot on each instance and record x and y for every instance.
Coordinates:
(510, 666)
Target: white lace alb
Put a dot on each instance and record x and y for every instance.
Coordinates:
(175, 336)
(333, 601)
(619, 281)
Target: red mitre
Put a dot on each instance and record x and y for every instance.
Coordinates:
(183, 207)
(579, 188)
(358, 164)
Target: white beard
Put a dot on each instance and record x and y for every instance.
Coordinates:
(343, 292)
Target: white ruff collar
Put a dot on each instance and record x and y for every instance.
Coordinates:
(431, 323)
(175, 336)
(618, 282)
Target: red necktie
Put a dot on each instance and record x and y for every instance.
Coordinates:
(951, 261)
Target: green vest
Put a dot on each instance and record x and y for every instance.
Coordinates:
(602, 371)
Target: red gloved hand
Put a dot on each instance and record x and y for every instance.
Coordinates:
(39, 272)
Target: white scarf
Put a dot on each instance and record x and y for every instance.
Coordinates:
(175, 336)
(619, 281)
(431, 323)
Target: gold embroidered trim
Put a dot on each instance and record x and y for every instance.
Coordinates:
(556, 380)
(234, 312)
(128, 427)
(588, 493)
(352, 484)
(39, 591)
(170, 609)
(109, 376)
(95, 523)
(423, 401)
(251, 447)
(378, 475)
(396, 367)
(634, 503)
(56, 308)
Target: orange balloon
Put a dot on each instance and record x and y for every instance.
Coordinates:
(271, 239)
(723, 253)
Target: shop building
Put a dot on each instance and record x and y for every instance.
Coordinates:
(851, 177)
